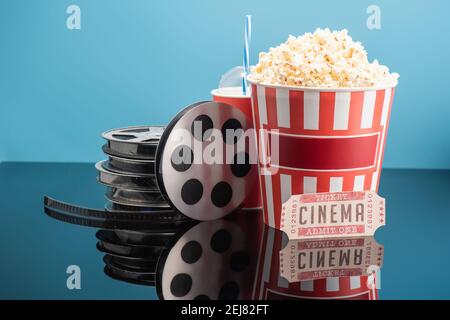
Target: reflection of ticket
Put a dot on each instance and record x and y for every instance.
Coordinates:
(331, 215)
(303, 260)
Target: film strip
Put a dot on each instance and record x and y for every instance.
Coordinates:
(97, 223)
(161, 220)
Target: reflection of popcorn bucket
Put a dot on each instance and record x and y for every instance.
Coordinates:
(233, 96)
(318, 140)
(269, 285)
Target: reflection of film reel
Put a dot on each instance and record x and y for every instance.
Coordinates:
(133, 198)
(131, 264)
(138, 237)
(151, 239)
(123, 165)
(222, 248)
(128, 181)
(132, 256)
(129, 251)
(140, 278)
(133, 142)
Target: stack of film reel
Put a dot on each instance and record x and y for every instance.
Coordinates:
(151, 168)
(129, 172)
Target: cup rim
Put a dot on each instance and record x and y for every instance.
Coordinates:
(322, 89)
(215, 92)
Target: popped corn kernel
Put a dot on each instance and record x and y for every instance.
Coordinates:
(323, 59)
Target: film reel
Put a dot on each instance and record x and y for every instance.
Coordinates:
(133, 198)
(133, 142)
(124, 165)
(127, 181)
(205, 191)
(117, 207)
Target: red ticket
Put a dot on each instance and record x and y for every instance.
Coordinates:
(331, 215)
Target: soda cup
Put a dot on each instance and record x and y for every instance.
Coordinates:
(234, 96)
(318, 140)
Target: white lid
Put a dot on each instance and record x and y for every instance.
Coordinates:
(230, 92)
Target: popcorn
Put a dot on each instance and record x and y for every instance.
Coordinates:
(323, 59)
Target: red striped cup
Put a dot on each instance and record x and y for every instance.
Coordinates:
(234, 96)
(329, 140)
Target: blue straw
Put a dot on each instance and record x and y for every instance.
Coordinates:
(246, 62)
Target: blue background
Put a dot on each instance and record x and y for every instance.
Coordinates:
(139, 62)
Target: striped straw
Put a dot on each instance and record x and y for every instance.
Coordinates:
(247, 39)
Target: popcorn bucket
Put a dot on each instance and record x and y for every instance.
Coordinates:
(269, 285)
(318, 140)
(233, 96)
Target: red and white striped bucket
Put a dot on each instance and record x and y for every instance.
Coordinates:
(329, 140)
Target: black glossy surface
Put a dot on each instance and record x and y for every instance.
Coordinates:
(37, 249)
